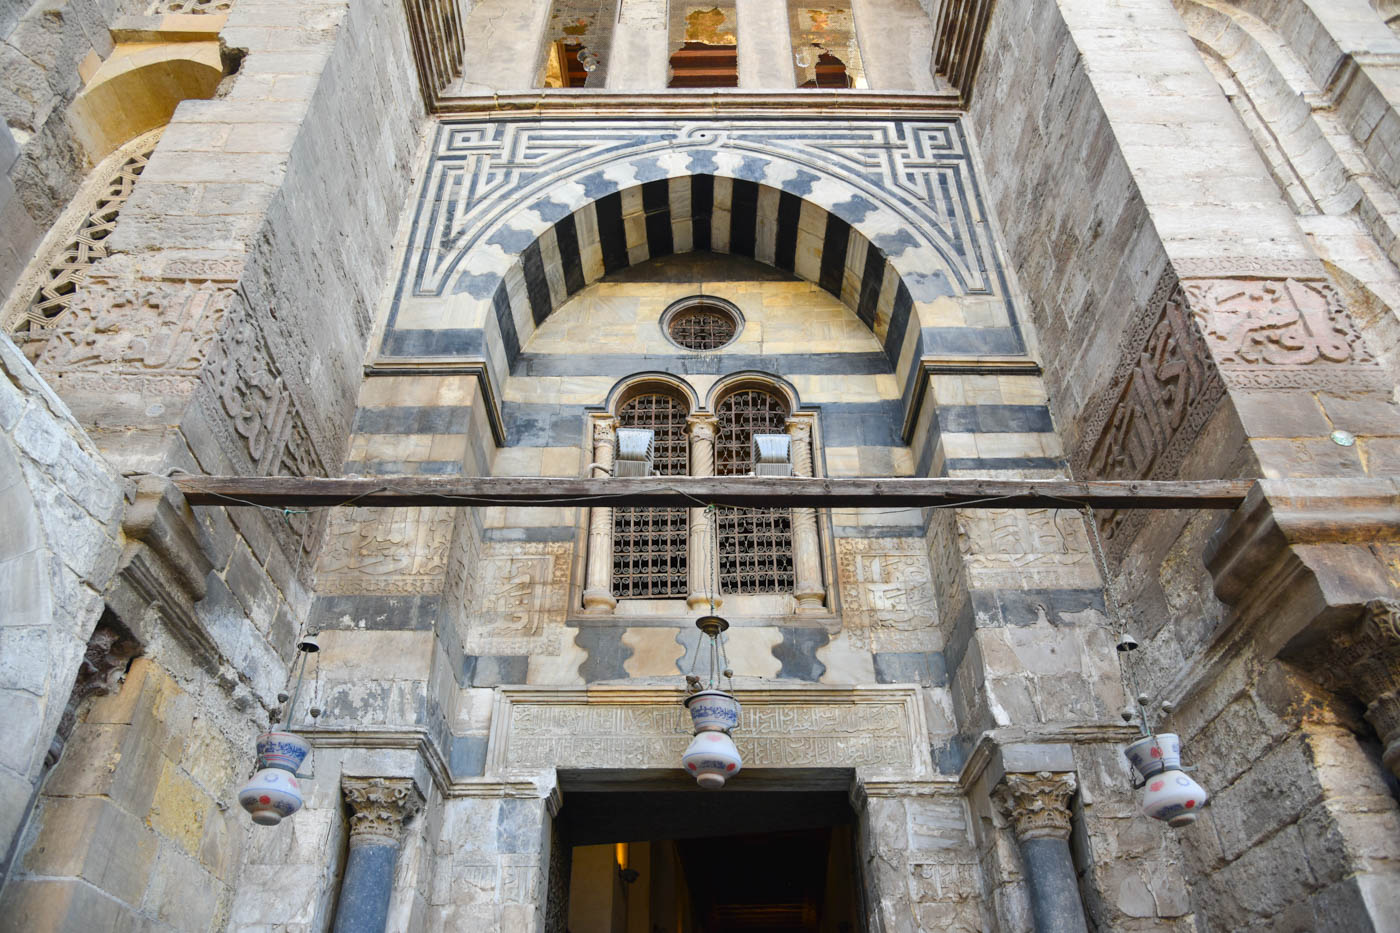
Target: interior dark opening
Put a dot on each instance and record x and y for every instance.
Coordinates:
(689, 861)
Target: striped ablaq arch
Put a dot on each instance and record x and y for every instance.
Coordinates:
(516, 218)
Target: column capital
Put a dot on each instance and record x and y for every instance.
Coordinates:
(1036, 804)
(799, 425)
(603, 428)
(381, 806)
(701, 425)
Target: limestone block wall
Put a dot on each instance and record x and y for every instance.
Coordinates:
(1120, 151)
(63, 505)
(135, 825)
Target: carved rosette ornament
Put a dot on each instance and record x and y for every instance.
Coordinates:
(380, 807)
(1365, 664)
(1037, 804)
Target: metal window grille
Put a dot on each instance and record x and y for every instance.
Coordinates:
(649, 545)
(755, 545)
(703, 328)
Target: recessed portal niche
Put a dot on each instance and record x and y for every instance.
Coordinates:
(690, 861)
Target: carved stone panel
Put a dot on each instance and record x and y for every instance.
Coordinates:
(887, 591)
(516, 597)
(1163, 392)
(1280, 333)
(151, 339)
(388, 551)
(1010, 548)
(878, 729)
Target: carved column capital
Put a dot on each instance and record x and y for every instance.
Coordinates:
(1037, 804)
(702, 426)
(381, 806)
(604, 430)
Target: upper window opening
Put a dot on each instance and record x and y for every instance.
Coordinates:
(649, 545)
(825, 50)
(580, 37)
(705, 45)
(755, 545)
(701, 323)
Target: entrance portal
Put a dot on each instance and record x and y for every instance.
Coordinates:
(691, 861)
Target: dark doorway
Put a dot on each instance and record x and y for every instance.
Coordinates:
(674, 859)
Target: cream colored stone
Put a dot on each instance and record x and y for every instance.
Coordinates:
(655, 652)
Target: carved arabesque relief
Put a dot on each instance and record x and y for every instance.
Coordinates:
(1010, 548)
(516, 598)
(388, 551)
(151, 339)
(189, 6)
(1165, 388)
(1278, 333)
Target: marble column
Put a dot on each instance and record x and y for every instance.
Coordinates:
(597, 579)
(702, 560)
(808, 588)
(380, 808)
(1037, 806)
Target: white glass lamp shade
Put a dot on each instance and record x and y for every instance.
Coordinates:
(712, 759)
(1174, 798)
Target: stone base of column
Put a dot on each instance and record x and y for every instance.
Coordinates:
(810, 598)
(699, 601)
(598, 601)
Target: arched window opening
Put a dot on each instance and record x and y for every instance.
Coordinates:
(580, 38)
(824, 46)
(649, 545)
(755, 545)
(705, 45)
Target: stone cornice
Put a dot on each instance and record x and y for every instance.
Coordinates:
(707, 102)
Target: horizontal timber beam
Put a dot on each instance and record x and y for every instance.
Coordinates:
(674, 491)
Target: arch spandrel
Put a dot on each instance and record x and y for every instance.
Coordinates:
(900, 198)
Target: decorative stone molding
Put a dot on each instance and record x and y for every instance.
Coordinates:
(1037, 804)
(381, 807)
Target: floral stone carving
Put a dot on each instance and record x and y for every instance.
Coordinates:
(1037, 804)
(380, 807)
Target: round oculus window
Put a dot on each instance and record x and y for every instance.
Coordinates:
(701, 324)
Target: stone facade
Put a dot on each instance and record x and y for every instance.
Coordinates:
(1148, 240)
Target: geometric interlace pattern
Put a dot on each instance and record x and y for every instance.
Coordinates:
(70, 267)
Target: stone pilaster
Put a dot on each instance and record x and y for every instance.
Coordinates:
(380, 807)
(808, 588)
(1036, 804)
(702, 559)
(597, 585)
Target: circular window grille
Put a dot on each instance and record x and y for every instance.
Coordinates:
(701, 324)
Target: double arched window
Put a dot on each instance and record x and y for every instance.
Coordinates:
(654, 553)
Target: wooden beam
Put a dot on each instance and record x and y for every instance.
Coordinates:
(673, 491)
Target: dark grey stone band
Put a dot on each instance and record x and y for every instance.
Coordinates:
(364, 892)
